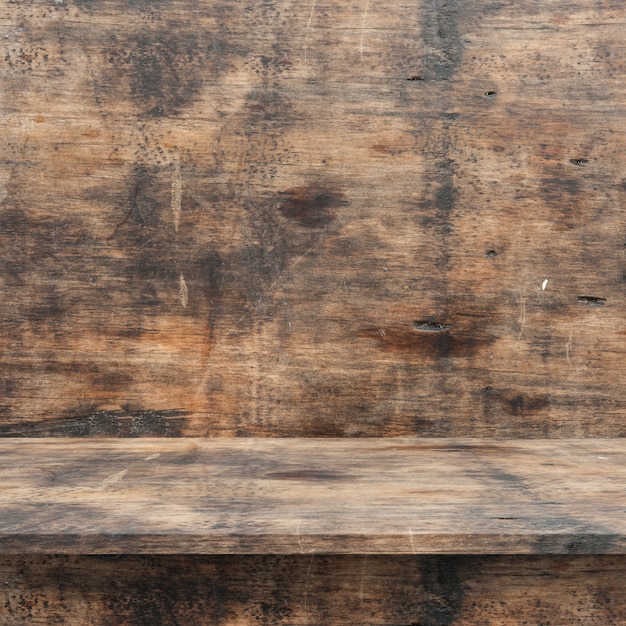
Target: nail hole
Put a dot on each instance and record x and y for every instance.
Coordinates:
(592, 300)
(490, 94)
(418, 79)
(491, 254)
(579, 162)
(428, 326)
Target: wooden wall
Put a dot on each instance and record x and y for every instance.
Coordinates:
(328, 218)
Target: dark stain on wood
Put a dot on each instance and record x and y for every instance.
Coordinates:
(102, 423)
(432, 342)
(444, 42)
(268, 106)
(308, 475)
(441, 33)
(456, 447)
(515, 403)
(310, 206)
(555, 187)
(155, 67)
(443, 589)
(446, 194)
(580, 544)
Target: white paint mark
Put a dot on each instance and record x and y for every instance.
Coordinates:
(308, 30)
(604, 458)
(522, 317)
(177, 192)
(112, 479)
(411, 540)
(183, 292)
(367, 4)
(152, 456)
(544, 284)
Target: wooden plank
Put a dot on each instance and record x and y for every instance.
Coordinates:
(313, 590)
(322, 218)
(290, 496)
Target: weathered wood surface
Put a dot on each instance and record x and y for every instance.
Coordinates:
(294, 496)
(321, 218)
(313, 590)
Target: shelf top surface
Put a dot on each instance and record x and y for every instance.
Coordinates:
(394, 495)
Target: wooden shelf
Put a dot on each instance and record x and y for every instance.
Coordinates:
(293, 496)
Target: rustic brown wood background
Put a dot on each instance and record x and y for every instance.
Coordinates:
(239, 218)
(321, 218)
(314, 590)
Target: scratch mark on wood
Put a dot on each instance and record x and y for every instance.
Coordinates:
(568, 347)
(306, 589)
(299, 538)
(177, 192)
(152, 456)
(362, 579)
(308, 30)
(367, 4)
(112, 479)
(522, 317)
(544, 284)
(300, 258)
(295, 262)
(4, 184)
(183, 291)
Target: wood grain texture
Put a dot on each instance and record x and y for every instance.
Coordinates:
(295, 496)
(323, 218)
(313, 590)
(312, 219)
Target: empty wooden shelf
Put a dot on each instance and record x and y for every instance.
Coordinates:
(295, 496)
